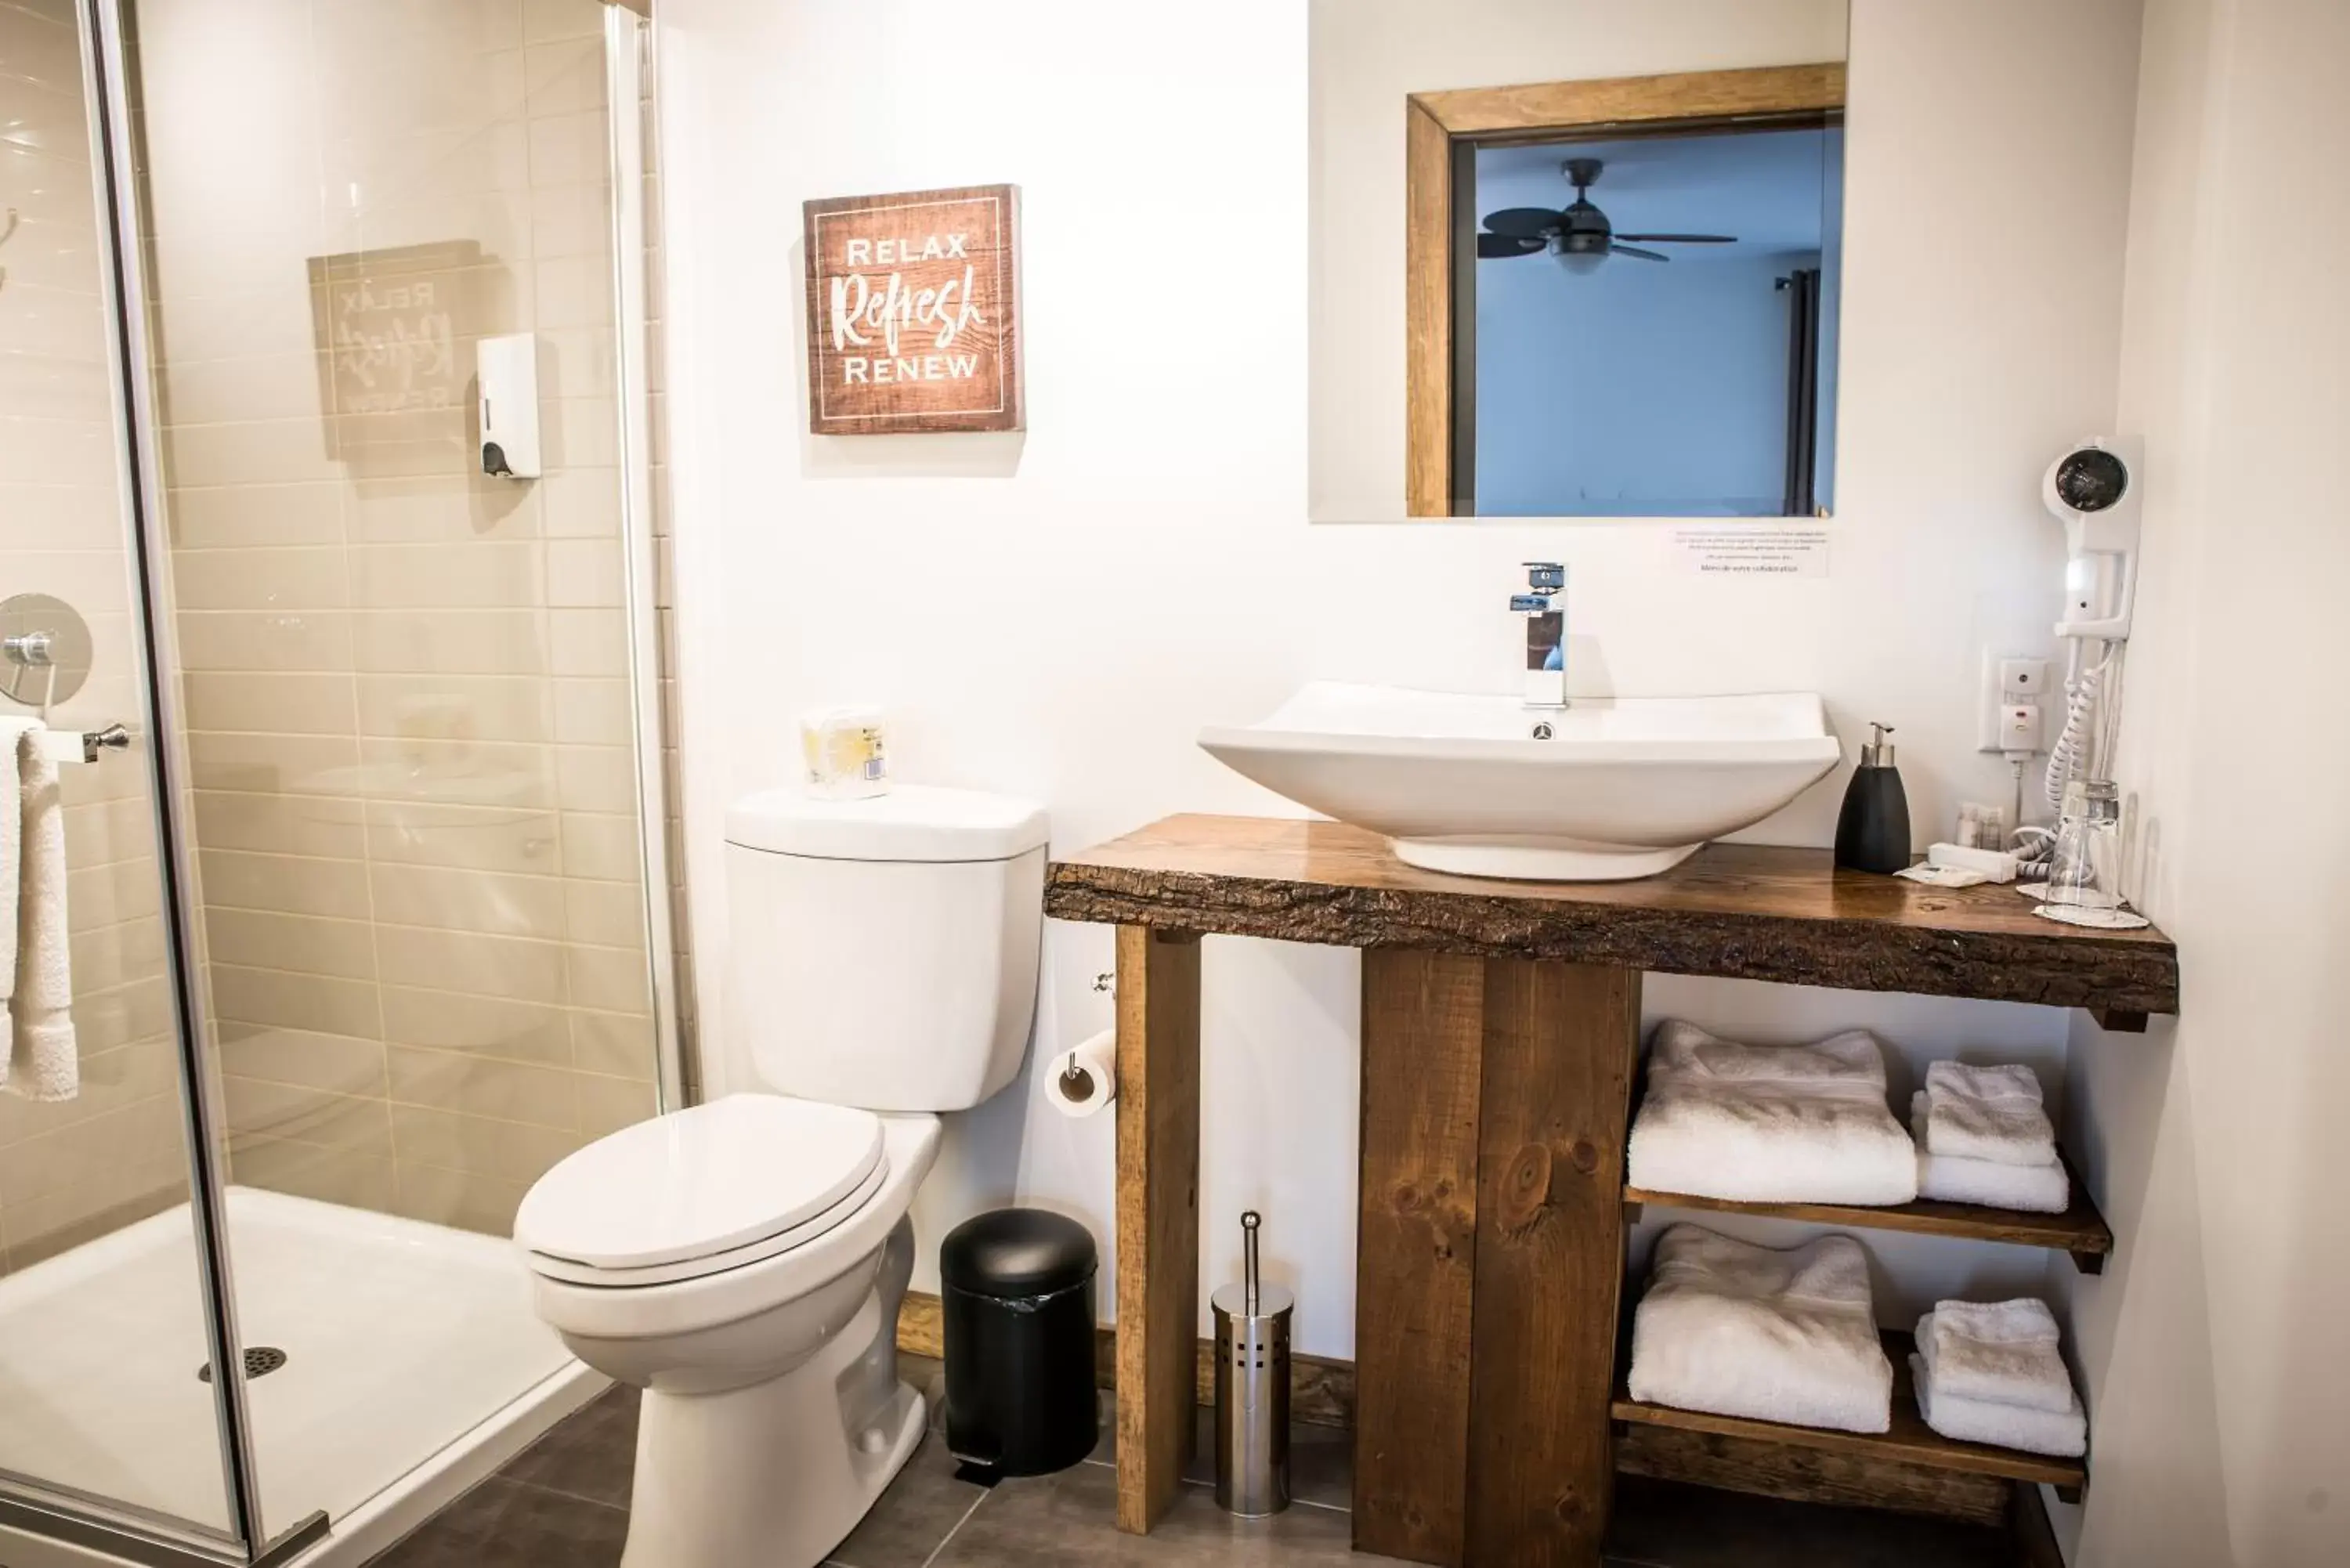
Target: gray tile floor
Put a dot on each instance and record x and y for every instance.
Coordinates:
(563, 1503)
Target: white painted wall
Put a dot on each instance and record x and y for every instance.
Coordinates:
(2219, 1400)
(1058, 614)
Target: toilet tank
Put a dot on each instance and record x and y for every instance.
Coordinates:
(882, 952)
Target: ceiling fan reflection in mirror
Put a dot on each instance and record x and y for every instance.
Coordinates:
(1579, 235)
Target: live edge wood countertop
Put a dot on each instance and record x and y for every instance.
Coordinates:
(1749, 911)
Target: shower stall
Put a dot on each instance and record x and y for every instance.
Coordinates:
(359, 746)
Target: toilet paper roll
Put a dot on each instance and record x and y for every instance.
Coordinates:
(1082, 1081)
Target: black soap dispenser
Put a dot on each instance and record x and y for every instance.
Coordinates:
(1873, 829)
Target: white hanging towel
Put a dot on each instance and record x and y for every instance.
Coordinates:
(1741, 1329)
(1987, 1113)
(1769, 1124)
(42, 1063)
(1950, 1178)
(1996, 1352)
(12, 840)
(2061, 1435)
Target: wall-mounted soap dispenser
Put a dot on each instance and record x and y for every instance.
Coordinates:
(507, 370)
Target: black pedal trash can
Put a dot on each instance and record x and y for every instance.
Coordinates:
(1017, 1290)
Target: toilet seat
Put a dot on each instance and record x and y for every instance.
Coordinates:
(702, 1191)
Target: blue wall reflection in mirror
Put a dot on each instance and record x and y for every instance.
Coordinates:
(1629, 388)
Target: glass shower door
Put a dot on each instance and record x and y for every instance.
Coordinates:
(104, 1323)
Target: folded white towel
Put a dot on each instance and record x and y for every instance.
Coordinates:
(2065, 1435)
(1741, 1329)
(1769, 1124)
(42, 1063)
(2036, 1189)
(1987, 1113)
(1996, 1352)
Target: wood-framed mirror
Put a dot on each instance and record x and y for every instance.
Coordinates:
(1605, 386)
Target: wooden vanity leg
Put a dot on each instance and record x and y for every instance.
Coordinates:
(1158, 1216)
(1561, 1041)
(1416, 1251)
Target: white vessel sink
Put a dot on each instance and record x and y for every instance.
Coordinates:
(1617, 788)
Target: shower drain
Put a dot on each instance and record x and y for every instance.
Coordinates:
(259, 1362)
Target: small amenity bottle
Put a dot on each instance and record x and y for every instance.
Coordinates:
(1873, 829)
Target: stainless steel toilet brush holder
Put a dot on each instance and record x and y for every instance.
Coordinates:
(1252, 1388)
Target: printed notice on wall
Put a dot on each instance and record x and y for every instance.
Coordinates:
(1726, 552)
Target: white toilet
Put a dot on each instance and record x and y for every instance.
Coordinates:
(743, 1261)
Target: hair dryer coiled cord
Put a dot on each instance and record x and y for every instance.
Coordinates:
(2069, 756)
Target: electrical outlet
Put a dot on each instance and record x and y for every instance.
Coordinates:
(2010, 682)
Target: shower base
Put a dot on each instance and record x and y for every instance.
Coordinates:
(402, 1363)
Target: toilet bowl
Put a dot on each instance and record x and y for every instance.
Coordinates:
(743, 1261)
(771, 1416)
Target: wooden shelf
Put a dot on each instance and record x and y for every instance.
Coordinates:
(1909, 1442)
(1749, 911)
(2080, 1231)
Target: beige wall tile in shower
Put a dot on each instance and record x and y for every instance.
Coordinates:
(593, 713)
(113, 1076)
(472, 837)
(510, 967)
(295, 885)
(457, 507)
(316, 641)
(569, 149)
(587, 642)
(497, 903)
(480, 1085)
(486, 575)
(596, 778)
(581, 434)
(321, 1003)
(357, 1178)
(293, 578)
(585, 572)
(515, 1151)
(83, 1154)
(608, 1105)
(482, 1025)
(610, 980)
(270, 701)
(267, 763)
(115, 829)
(609, 914)
(249, 387)
(311, 944)
(614, 1046)
(248, 516)
(455, 642)
(412, 769)
(336, 1062)
(247, 451)
(129, 1018)
(117, 955)
(105, 893)
(260, 1107)
(456, 707)
(312, 825)
(601, 844)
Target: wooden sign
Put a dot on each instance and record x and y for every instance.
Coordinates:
(913, 312)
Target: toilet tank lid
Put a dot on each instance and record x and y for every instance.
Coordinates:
(912, 822)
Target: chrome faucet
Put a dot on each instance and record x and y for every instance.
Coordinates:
(1544, 604)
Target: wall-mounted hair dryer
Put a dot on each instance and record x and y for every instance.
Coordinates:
(2093, 490)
